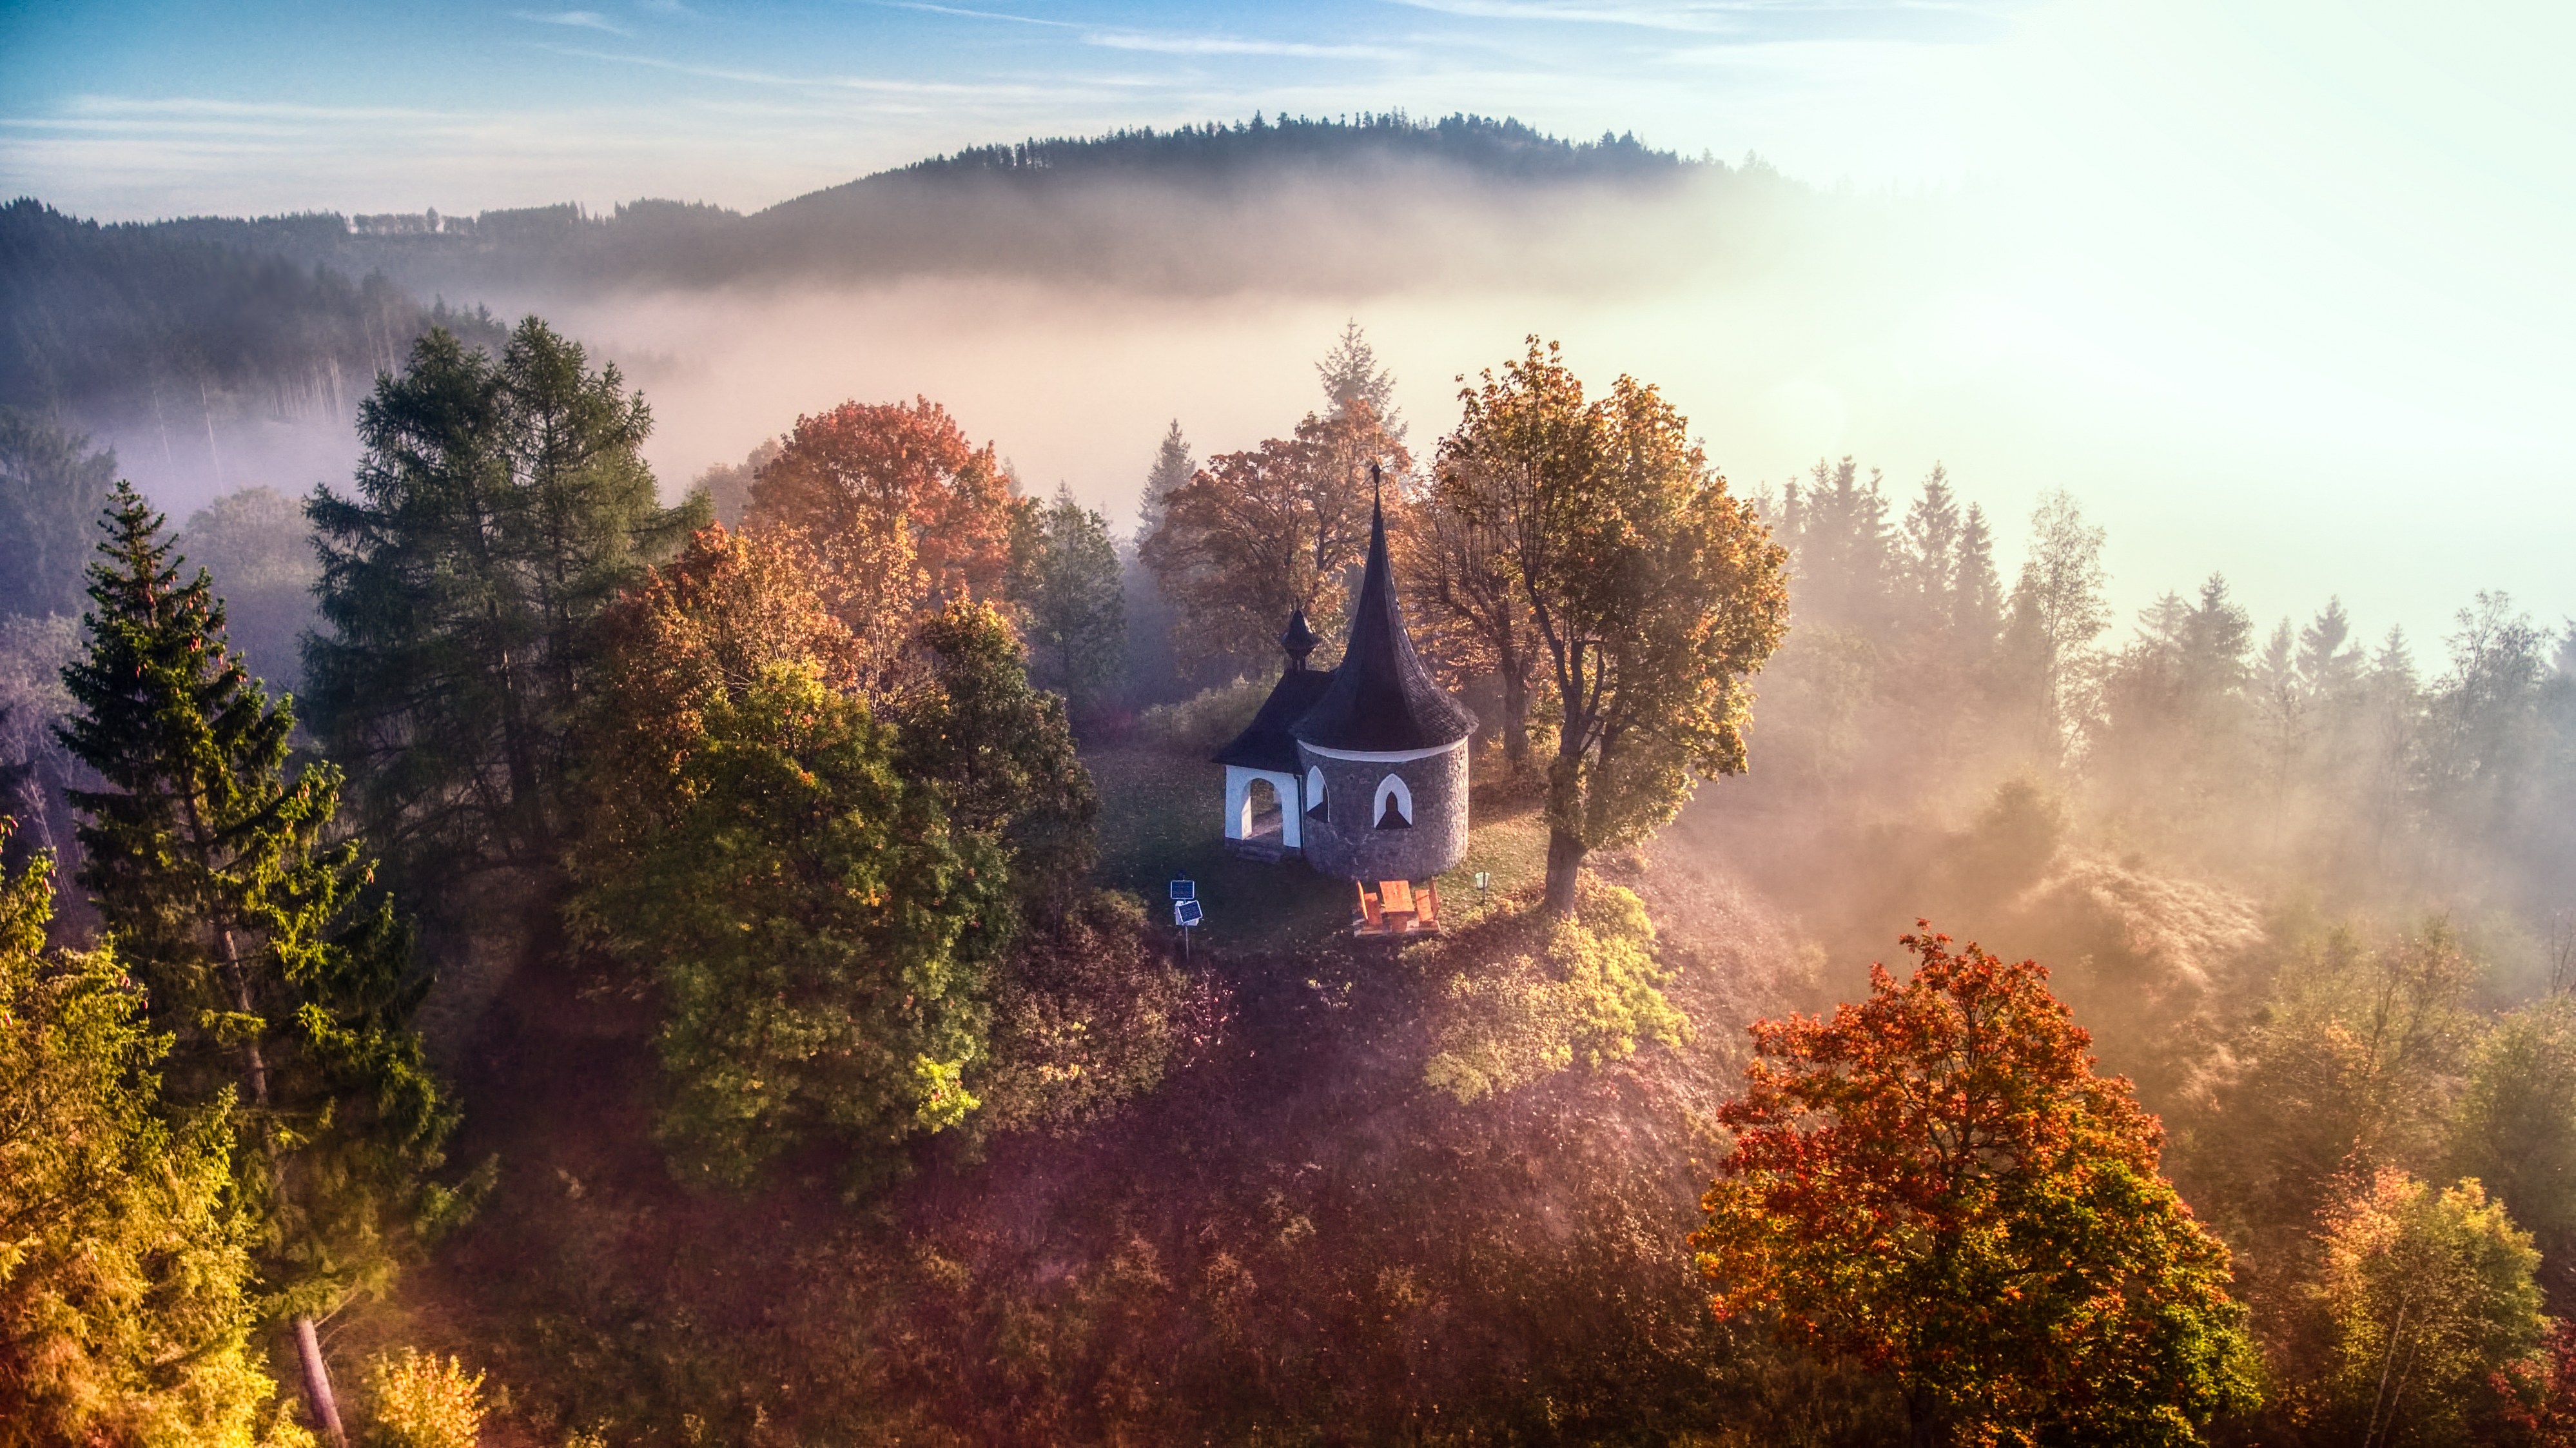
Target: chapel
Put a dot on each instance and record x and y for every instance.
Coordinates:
(1362, 772)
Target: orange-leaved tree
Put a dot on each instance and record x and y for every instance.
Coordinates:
(847, 477)
(1934, 1184)
(1255, 534)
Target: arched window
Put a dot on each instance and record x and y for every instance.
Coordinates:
(1315, 792)
(1393, 804)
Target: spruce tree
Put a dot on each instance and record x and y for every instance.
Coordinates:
(219, 876)
(501, 504)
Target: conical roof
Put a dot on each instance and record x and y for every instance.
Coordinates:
(1382, 700)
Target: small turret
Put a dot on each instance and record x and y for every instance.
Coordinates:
(1298, 641)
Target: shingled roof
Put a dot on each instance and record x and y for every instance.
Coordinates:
(1381, 699)
(1266, 742)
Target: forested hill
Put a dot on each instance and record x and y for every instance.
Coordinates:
(1479, 144)
(1197, 208)
(168, 330)
(153, 327)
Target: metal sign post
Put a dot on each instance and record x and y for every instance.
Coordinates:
(1185, 909)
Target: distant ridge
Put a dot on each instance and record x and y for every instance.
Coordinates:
(286, 317)
(842, 228)
(1477, 143)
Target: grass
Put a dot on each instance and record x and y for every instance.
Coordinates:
(1161, 819)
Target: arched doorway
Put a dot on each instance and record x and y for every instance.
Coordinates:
(1262, 818)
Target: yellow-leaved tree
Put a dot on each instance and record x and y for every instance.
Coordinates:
(1652, 591)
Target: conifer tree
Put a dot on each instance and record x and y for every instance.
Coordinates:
(218, 876)
(501, 505)
(1071, 594)
(1172, 467)
(1350, 373)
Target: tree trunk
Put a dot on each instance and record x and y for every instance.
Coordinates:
(1564, 864)
(1516, 702)
(317, 1384)
(1926, 1425)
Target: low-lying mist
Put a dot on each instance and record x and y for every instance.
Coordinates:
(1070, 323)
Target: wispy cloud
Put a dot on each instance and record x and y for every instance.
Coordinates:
(666, 7)
(1164, 44)
(1221, 45)
(1768, 18)
(578, 19)
(977, 14)
(964, 90)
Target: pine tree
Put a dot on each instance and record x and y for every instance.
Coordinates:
(1172, 468)
(1977, 599)
(218, 877)
(1074, 599)
(502, 503)
(1350, 373)
(1931, 561)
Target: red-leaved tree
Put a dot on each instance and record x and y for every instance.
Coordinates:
(1934, 1184)
(847, 477)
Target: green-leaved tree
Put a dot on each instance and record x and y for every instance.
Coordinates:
(221, 878)
(1652, 592)
(124, 1263)
(816, 934)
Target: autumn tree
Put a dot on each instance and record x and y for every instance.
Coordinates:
(999, 752)
(1473, 617)
(847, 477)
(1934, 1184)
(1068, 586)
(125, 1285)
(1254, 535)
(500, 505)
(2515, 1125)
(2427, 1294)
(2343, 1071)
(1653, 592)
(230, 891)
(815, 933)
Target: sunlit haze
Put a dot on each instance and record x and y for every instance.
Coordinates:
(2276, 289)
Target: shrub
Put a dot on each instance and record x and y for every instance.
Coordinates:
(1590, 991)
(1087, 1016)
(1203, 723)
(424, 1402)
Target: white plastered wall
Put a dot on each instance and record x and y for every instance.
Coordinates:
(1238, 803)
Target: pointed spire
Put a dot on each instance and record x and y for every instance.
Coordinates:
(1383, 698)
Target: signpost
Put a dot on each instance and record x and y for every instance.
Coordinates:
(1186, 912)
